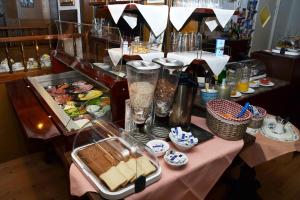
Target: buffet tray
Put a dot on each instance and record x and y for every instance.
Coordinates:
(40, 82)
(98, 184)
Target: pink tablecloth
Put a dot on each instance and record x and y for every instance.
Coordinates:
(265, 149)
(207, 162)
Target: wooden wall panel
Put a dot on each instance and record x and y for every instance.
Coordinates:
(12, 142)
(10, 9)
(30, 13)
(86, 12)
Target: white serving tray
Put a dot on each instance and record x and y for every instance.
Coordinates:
(95, 181)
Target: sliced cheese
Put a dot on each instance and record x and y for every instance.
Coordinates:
(125, 171)
(113, 178)
(145, 164)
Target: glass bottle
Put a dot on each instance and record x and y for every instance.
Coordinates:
(221, 76)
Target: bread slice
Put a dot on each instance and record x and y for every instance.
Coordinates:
(125, 170)
(132, 164)
(145, 164)
(141, 166)
(113, 178)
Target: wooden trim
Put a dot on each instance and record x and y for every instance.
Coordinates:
(19, 27)
(37, 37)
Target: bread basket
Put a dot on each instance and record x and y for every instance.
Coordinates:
(257, 121)
(221, 121)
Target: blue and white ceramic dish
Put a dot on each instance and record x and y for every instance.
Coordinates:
(175, 158)
(159, 147)
(181, 139)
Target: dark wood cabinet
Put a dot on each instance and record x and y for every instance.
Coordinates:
(286, 68)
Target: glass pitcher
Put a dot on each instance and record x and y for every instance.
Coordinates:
(142, 78)
(243, 78)
(231, 79)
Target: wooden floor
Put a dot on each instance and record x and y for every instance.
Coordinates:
(279, 180)
(30, 178)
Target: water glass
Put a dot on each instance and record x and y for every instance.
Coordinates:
(179, 42)
(191, 41)
(198, 41)
(231, 79)
(185, 42)
(173, 43)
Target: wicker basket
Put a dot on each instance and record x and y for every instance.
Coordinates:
(257, 122)
(220, 121)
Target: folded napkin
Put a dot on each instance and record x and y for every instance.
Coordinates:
(179, 15)
(116, 11)
(211, 24)
(131, 19)
(155, 16)
(223, 15)
(151, 55)
(115, 55)
(216, 63)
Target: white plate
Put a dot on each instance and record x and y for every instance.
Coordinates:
(293, 50)
(158, 151)
(238, 94)
(254, 84)
(289, 134)
(102, 65)
(270, 84)
(249, 91)
(169, 161)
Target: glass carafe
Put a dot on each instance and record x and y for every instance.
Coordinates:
(166, 85)
(243, 78)
(142, 78)
(231, 78)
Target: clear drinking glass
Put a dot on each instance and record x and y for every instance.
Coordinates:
(198, 41)
(179, 41)
(185, 42)
(173, 43)
(191, 40)
(231, 79)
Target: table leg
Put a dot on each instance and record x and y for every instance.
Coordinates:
(246, 186)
